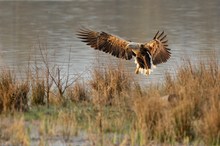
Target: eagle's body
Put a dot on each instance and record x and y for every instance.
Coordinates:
(147, 55)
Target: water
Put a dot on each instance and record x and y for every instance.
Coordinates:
(193, 29)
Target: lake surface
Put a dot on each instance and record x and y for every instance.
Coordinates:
(192, 27)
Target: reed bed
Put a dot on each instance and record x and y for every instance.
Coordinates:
(112, 108)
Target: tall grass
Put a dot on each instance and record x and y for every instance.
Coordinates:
(78, 92)
(13, 93)
(37, 84)
(193, 113)
(14, 132)
(117, 106)
(110, 85)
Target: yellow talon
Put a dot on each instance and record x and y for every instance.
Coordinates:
(147, 72)
(137, 70)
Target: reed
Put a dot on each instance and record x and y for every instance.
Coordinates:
(13, 93)
(37, 83)
(110, 84)
(190, 112)
(114, 109)
(78, 92)
(13, 131)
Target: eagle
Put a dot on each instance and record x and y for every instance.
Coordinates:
(147, 55)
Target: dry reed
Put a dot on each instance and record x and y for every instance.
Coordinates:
(110, 85)
(13, 94)
(190, 113)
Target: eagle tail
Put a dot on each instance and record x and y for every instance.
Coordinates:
(144, 64)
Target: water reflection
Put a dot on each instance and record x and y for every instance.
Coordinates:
(192, 27)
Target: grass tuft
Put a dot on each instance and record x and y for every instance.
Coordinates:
(13, 94)
(78, 93)
(110, 85)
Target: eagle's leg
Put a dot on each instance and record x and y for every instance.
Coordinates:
(147, 72)
(137, 68)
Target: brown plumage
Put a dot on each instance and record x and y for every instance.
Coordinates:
(158, 48)
(146, 54)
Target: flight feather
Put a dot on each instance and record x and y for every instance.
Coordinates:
(106, 42)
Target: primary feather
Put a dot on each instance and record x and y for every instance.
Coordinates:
(106, 42)
(158, 48)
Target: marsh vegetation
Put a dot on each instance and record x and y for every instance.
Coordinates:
(110, 108)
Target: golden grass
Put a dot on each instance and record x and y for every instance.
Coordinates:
(78, 92)
(109, 85)
(209, 126)
(38, 93)
(13, 94)
(13, 131)
(191, 114)
(69, 126)
(118, 111)
(37, 84)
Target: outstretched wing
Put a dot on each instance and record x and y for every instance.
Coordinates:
(158, 48)
(106, 42)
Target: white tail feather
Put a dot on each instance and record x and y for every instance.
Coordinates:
(144, 71)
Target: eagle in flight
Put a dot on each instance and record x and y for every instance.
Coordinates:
(147, 55)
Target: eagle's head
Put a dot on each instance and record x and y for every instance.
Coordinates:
(133, 45)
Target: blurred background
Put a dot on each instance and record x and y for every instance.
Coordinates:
(192, 27)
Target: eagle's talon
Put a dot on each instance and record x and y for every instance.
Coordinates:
(148, 72)
(137, 71)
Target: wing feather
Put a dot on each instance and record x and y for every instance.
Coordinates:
(158, 48)
(106, 42)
